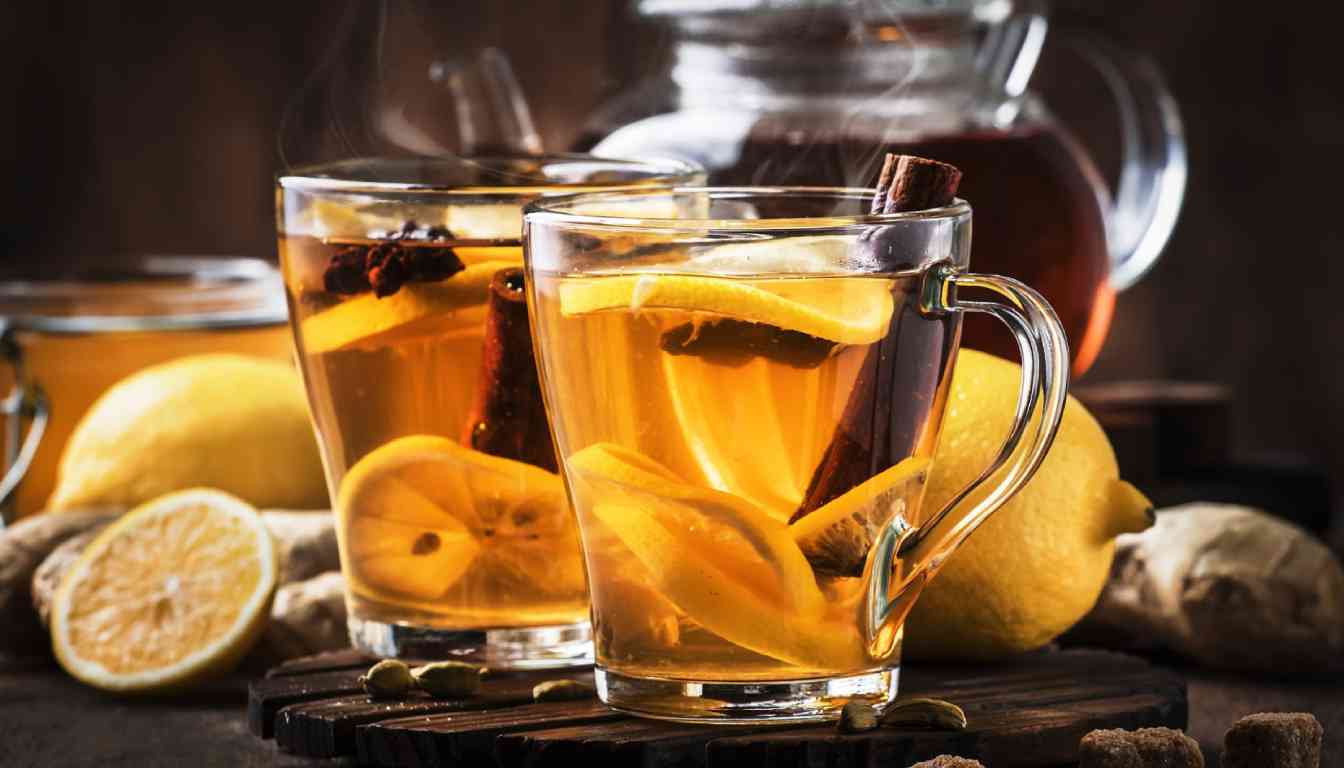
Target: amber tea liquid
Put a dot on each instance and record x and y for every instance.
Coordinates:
(691, 439)
(432, 532)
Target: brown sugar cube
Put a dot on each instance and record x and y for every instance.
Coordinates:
(949, 761)
(1168, 748)
(1139, 749)
(1108, 749)
(1277, 739)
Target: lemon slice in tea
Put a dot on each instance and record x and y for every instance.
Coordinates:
(423, 517)
(728, 565)
(783, 415)
(844, 310)
(417, 310)
(836, 537)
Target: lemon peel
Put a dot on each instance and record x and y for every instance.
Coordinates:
(804, 305)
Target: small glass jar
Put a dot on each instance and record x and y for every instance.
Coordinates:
(68, 340)
(814, 92)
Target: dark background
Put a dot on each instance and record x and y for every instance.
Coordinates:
(148, 128)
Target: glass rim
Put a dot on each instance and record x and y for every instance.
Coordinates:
(326, 177)
(550, 210)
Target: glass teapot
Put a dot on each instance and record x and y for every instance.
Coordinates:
(813, 92)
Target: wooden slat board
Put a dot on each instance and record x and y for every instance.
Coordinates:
(1031, 712)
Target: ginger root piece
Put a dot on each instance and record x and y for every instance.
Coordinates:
(23, 547)
(1229, 587)
(1279, 739)
(48, 575)
(305, 542)
(307, 617)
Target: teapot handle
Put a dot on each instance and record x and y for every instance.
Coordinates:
(905, 557)
(1153, 161)
(25, 401)
(1153, 164)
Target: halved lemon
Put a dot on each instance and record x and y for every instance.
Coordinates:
(836, 537)
(425, 518)
(725, 563)
(846, 310)
(417, 310)
(175, 591)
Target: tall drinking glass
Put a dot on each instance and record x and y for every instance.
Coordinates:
(405, 292)
(746, 387)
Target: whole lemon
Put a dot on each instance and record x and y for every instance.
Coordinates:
(235, 423)
(1040, 562)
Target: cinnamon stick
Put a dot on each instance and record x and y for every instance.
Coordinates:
(859, 448)
(509, 419)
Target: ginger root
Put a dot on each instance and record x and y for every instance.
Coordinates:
(306, 617)
(1229, 587)
(23, 547)
(305, 543)
(48, 575)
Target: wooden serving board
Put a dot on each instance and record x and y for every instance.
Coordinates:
(1030, 712)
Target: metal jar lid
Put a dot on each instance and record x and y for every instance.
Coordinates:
(157, 293)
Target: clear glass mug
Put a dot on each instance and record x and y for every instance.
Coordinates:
(745, 397)
(67, 339)
(455, 538)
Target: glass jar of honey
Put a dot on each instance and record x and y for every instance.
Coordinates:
(66, 340)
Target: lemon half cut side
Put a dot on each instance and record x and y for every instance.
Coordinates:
(174, 592)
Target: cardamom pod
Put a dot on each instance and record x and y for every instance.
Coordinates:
(562, 690)
(388, 679)
(930, 713)
(448, 679)
(857, 717)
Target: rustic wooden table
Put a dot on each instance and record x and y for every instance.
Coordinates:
(49, 720)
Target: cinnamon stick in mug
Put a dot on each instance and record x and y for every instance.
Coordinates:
(906, 183)
(508, 418)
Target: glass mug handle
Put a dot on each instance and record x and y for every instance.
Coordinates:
(905, 556)
(25, 401)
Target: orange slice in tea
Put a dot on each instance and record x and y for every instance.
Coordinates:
(418, 310)
(836, 537)
(423, 516)
(721, 560)
(844, 310)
